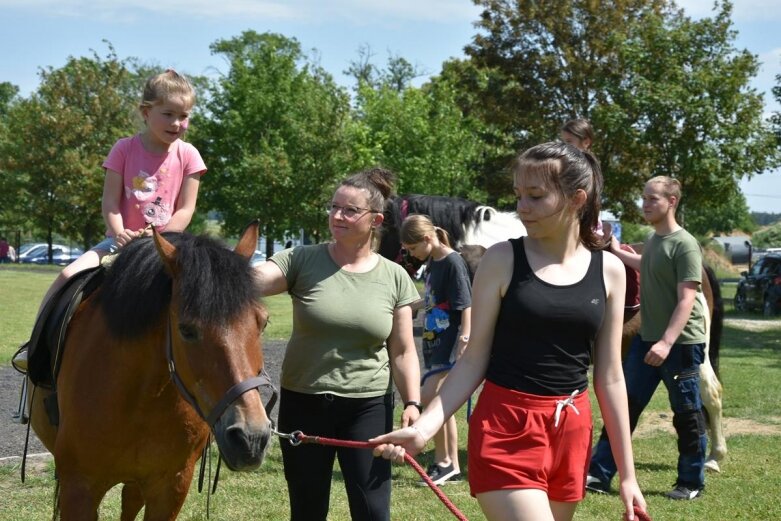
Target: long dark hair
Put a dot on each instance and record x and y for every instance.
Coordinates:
(568, 169)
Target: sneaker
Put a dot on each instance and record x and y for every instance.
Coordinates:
(19, 361)
(596, 485)
(440, 475)
(681, 492)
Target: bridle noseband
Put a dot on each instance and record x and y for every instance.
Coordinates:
(262, 380)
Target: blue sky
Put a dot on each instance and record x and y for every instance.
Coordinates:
(177, 33)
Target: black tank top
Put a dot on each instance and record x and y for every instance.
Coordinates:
(544, 334)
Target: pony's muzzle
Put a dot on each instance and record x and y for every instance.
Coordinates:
(242, 443)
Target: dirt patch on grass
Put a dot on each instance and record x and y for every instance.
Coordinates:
(651, 424)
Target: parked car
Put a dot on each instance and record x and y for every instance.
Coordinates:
(39, 254)
(760, 288)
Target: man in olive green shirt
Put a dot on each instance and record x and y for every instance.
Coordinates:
(671, 343)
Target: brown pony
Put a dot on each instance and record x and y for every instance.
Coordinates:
(156, 360)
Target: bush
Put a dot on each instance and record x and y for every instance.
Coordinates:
(768, 237)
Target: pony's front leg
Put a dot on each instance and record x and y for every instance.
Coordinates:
(711, 392)
(79, 500)
(164, 496)
(132, 501)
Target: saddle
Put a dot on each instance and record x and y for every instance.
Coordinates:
(48, 337)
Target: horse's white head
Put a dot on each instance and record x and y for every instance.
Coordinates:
(492, 226)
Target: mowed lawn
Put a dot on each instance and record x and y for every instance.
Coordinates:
(746, 489)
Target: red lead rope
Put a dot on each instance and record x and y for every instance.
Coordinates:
(299, 437)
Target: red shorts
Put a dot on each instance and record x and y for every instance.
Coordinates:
(514, 444)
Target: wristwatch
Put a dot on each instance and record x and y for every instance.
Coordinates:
(417, 405)
(464, 338)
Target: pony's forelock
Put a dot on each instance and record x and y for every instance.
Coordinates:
(214, 285)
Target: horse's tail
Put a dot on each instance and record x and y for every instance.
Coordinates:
(717, 319)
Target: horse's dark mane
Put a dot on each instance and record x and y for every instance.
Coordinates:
(215, 284)
(449, 213)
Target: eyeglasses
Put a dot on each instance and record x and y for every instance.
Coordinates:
(348, 212)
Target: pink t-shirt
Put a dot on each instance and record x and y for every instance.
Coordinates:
(151, 181)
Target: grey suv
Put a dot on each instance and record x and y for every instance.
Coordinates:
(760, 288)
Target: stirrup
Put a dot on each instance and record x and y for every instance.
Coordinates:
(20, 416)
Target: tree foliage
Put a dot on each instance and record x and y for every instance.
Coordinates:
(421, 134)
(273, 137)
(666, 94)
(58, 137)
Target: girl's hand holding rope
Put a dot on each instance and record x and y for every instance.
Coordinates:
(394, 445)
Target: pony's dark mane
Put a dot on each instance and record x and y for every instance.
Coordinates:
(215, 284)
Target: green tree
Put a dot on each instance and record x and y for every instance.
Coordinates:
(665, 93)
(58, 137)
(273, 137)
(685, 108)
(13, 211)
(420, 133)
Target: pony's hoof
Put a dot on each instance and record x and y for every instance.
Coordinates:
(712, 465)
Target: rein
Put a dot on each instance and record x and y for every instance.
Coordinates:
(262, 380)
(296, 438)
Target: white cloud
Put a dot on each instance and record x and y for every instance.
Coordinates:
(315, 11)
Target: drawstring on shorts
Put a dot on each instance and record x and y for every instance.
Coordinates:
(560, 404)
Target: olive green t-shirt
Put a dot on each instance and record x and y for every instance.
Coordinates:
(341, 321)
(668, 260)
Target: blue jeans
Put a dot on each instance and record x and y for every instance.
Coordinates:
(680, 373)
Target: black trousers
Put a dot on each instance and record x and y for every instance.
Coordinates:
(309, 467)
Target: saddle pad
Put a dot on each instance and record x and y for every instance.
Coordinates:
(48, 337)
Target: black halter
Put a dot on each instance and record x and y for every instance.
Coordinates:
(262, 380)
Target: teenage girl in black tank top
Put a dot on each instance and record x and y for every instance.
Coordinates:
(538, 306)
(545, 334)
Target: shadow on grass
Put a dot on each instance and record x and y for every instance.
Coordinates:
(656, 467)
(751, 344)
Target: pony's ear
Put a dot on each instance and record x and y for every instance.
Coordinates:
(248, 241)
(166, 250)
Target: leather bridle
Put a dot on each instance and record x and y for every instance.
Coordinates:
(256, 382)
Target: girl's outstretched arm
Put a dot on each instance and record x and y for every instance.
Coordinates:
(610, 387)
(491, 281)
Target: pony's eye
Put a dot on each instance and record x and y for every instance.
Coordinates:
(188, 332)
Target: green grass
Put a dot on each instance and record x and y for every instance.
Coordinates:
(747, 488)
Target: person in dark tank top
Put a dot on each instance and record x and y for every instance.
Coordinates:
(541, 305)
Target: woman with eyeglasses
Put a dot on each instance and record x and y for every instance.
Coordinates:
(351, 340)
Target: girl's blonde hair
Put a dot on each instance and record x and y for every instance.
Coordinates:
(415, 227)
(167, 85)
